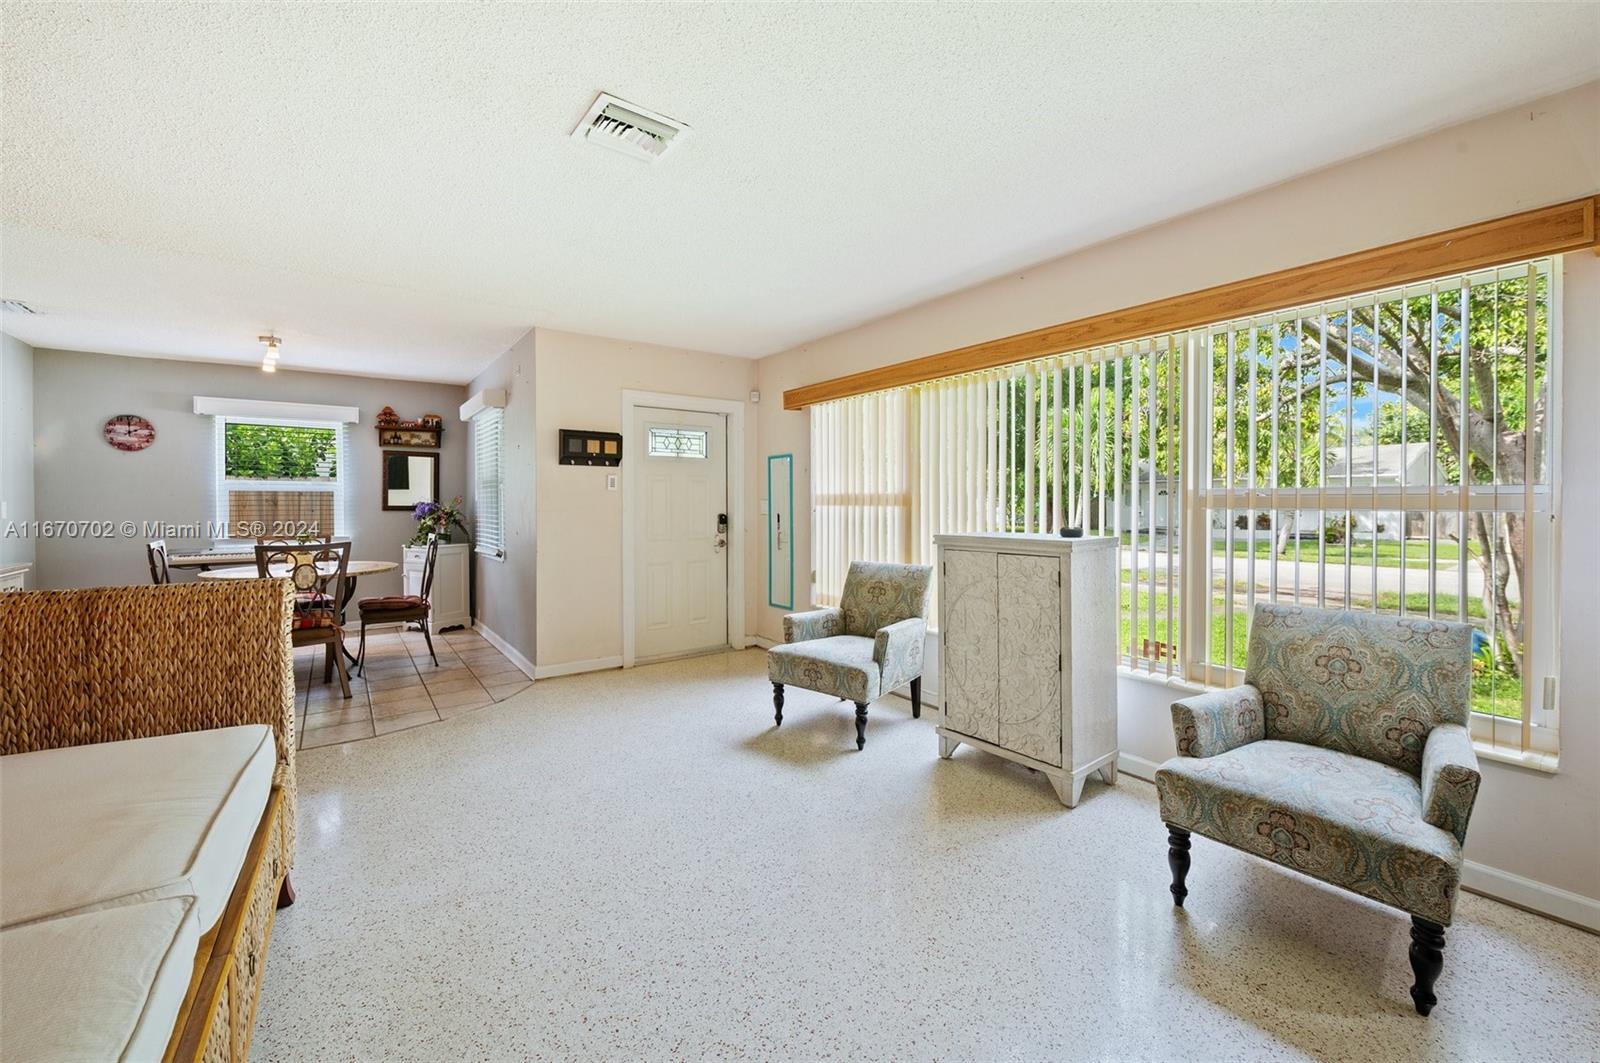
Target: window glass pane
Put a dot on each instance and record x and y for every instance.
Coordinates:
(279, 452)
(278, 480)
(677, 443)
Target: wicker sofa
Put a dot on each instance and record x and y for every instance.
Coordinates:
(147, 796)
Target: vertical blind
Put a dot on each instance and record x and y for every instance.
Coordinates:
(488, 482)
(1387, 452)
(1314, 455)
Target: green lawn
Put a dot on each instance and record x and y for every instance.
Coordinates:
(1496, 692)
(1359, 553)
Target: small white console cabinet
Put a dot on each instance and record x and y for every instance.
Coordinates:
(452, 572)
(1028, 652)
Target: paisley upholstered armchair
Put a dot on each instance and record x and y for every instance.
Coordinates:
(1345, 755)
(867, 646)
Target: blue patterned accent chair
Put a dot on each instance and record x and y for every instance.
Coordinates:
(868, 645)
(1345, 755)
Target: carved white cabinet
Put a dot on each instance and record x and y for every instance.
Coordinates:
(1028, 653)
(450, 600)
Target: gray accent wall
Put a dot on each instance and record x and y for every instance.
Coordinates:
(506, 586)
(16, 452)
(77, 475)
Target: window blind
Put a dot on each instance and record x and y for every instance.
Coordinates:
(488, 482)
(1388, 452)
(860, 486)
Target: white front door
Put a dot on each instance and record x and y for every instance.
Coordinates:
(681, 545)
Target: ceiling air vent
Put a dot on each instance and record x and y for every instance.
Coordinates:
(15, 306)
(632, 130)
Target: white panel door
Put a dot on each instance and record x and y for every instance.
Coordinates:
(970, 667)
(680, 547)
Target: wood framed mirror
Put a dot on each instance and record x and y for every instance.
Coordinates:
(409, 478)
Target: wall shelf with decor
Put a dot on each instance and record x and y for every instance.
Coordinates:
(423, 433)
(410, 437)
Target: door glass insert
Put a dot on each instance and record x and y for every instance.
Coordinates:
(677, 443)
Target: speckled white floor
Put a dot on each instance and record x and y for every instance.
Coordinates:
(636, 865)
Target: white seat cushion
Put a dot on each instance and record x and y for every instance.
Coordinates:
(104, 985)
(91, 826)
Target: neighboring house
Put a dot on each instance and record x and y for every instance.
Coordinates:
(1393, 465)
(1167, 515)
(1389, 465)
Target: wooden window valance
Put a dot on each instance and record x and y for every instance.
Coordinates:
(1530, 234)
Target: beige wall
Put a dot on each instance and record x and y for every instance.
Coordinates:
(1545, 828)
(580, 384)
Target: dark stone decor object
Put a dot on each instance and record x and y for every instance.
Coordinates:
(1071, 533)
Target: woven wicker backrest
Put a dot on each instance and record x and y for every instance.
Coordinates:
(112, 663)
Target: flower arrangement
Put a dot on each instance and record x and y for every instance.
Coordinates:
(437, 518)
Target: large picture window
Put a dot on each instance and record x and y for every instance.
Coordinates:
(1387, 452)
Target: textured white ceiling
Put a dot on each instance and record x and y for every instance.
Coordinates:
(393, 189)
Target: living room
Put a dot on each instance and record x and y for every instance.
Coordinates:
(557, 531)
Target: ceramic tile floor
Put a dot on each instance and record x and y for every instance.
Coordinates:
(636, 865)
(401, 686)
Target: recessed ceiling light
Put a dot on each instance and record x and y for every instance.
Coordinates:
(628, 128)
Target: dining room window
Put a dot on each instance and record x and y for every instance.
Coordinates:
(281, 479)
(488, 482)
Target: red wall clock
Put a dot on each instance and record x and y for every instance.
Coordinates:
(129, 431)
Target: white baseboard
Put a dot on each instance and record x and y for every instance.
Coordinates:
(762, 642)
(1503, 886)
(597, 664)
(1521, 892)
(930, 697)
(506, 648)
(1138, 767)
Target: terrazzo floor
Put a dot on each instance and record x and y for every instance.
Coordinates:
(637, 865)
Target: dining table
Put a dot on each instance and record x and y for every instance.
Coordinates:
(352, 570)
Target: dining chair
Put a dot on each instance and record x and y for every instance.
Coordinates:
(401, 608)
(317, 571)
(156, 553)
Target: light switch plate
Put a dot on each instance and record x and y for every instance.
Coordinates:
(763, 507)
(611, 481)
